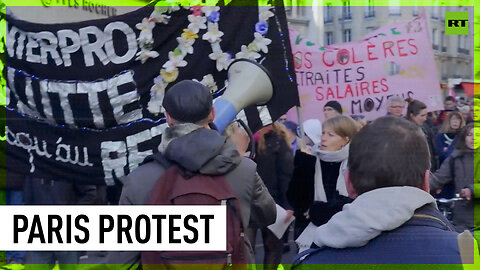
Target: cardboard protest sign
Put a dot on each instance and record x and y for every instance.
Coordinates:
(361, 75)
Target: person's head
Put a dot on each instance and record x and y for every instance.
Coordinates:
(280, 131)
(450, 103)
(453, 123)
(388, 152)
(332, 109)
(313, 131)
(291, 130)
(416, 111)
(282, 118)
(337, 132)
(188, 102)
(466, 138)
(395, 106)
(465, 111)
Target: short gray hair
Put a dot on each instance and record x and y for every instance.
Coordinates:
(395, 99)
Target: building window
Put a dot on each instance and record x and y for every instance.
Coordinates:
(288, 8)
(444, 71)
(435, 39)
(394, 7)
(328, 16)
(369, 10)
(294, 9)
(443, 43)
(371, 29)
(300, 12)
(415, 11)
(329, 38)
(462, 45)
(347, 35)
(435, 12)
(346, 14)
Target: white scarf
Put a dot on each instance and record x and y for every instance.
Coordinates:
(329, 156)
(304, 241)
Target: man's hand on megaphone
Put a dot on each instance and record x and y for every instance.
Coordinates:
(240, 138)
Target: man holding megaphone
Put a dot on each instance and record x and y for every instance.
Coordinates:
(190, 143)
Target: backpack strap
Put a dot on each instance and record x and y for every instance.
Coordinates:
(466, 245)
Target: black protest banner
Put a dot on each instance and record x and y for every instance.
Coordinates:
(73, 89)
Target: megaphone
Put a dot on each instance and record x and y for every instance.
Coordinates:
(249, 83)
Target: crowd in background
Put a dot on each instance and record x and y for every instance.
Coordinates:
(304, 173)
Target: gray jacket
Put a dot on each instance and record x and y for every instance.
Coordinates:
(463, 176)
(205, 151)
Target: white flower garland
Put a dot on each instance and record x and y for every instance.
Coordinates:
(198, 21)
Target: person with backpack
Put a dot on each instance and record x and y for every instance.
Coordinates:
(459, 168)
(194, 159)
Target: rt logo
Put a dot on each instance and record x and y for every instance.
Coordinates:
(457, 23)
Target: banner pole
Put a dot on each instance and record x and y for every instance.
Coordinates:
(300, 125)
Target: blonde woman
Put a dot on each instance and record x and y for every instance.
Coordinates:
(330, 193)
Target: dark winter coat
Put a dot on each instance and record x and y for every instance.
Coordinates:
(202, 151)
(429, 135)
(301, 190)
(39, 191)
(463, 176)
(427, 238)
(275, 167)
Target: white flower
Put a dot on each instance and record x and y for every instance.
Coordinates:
(145, 37)
(145, 25)
(174, 62)
(213, 33)
(155, 105)
(208, 79)
(264, 13)
(208, 10)
(159, 17)
(186, 45)
(143, 55)
(145, 28)
(246, 53)
(222, 59)
(196, 23)
(158, 84)
(261, 43)
(157, 92)
(210, 83)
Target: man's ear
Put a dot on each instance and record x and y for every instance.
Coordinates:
(352, 193)
(426, 182)
(170, 120)
(211, 116)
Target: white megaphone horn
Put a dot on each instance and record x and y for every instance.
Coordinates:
(249, 83)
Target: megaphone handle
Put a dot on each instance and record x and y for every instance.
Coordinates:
(250, 135)
(225, 112)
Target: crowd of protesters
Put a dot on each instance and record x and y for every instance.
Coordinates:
(306, 174)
